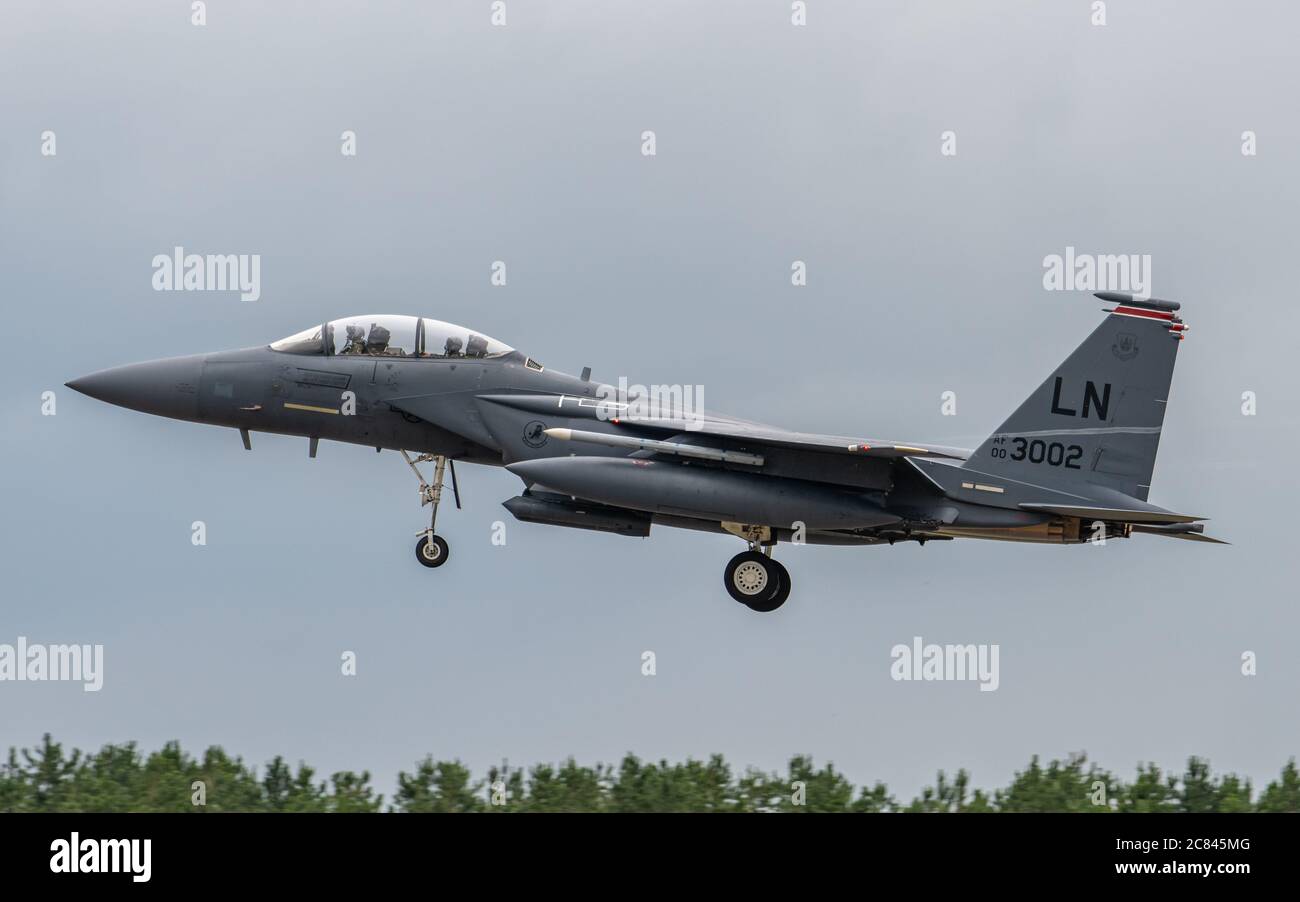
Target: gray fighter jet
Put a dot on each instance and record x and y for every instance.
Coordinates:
(1072, 464)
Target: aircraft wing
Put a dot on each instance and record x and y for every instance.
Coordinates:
(756, 433)
(706, 425)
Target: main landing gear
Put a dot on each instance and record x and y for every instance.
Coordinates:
(432, 549)
(754, 578)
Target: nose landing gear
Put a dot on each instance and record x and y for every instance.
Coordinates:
(754, 578)
(432, 550)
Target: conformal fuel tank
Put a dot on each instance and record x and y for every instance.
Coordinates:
(707, 493)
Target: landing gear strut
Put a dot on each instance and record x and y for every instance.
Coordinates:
(754, 578)
(432, 549)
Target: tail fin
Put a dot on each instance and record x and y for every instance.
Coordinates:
(1097, 419)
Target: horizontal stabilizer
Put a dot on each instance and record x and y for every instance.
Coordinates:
(1151, 514)
(1175, 533)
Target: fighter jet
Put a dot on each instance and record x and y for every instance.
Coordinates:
(1071, 465)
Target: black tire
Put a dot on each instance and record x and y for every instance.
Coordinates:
(751, 579)
(432, 554)
(782, 592)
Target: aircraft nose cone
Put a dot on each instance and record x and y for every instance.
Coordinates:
(167, 388)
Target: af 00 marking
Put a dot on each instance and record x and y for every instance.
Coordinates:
(1037, 451)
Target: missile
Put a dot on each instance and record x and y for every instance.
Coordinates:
(636, 443)
(704, 493)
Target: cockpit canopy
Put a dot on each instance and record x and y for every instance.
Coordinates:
(391, 336)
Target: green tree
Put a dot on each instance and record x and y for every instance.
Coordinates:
(569, 787)
(757, 791)
(49, 776)
(119, 778)
(1070, 785)
(824, 790)
(1150, 792)
(1234, 795)
(110, 780)
(947, 796)
(692, 786)
(13, 785)
(228, 784)
(442, 786)
(1282, 794)
(875, 800)
(165, 780)
(284, 790)
(351, 792)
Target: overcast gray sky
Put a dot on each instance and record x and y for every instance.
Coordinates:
(522, 143)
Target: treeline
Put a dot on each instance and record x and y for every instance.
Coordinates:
(121, 778)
